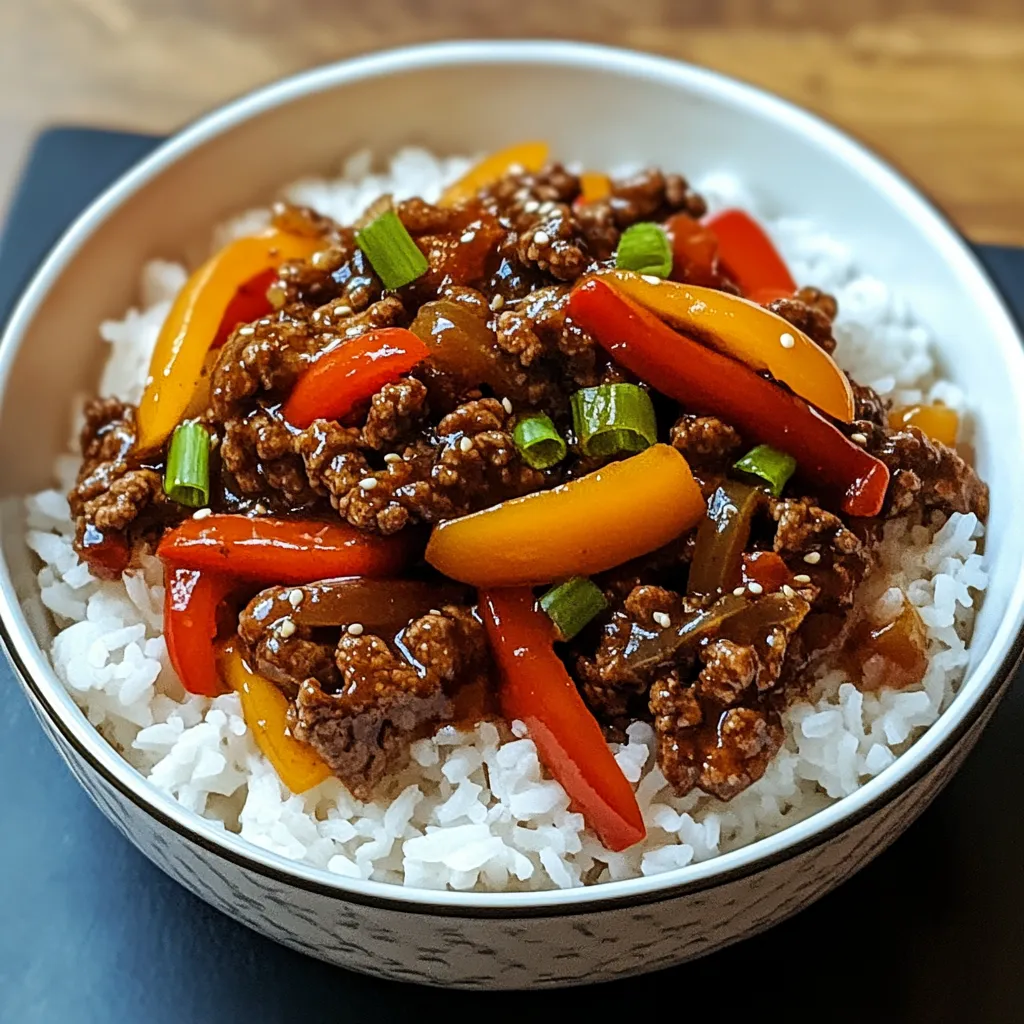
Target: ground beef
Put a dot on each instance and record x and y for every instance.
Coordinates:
(537, 332)
(840, 560)
(396, 411)
(869, 405)
(810, 311)
(270, 355)
(112, 490)
(924, 473)
(705, 440)
(555, 245)
(472, 463)
(258, 455)
(652, 195)
(382, 702)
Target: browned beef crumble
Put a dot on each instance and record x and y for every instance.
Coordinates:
(362, 721)
(436, 444)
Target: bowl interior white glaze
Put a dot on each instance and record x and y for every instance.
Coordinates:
(597, 106)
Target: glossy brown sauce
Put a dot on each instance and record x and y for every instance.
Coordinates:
(894, 654)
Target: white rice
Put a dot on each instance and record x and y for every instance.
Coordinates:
(472, 811)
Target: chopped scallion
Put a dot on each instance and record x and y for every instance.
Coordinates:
(391, 250)
(539, 443)
(644, 248)
(770, 465)
(613, 418)
(572, 604)
(187, 478)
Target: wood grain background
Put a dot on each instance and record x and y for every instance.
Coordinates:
(936, 85)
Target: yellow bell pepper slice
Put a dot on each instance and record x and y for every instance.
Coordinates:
(531, 156)
(594, 186)
(938, 422)
(748, 333)
(191, 326)
(585, 526)
(265, 709)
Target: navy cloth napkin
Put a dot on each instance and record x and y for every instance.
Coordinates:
(91, 932)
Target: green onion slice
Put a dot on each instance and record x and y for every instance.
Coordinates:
(391, 250)
(770, 465)
(572, 604)
(187, 478)
(644, 248)
(539, 443)
(613, 418)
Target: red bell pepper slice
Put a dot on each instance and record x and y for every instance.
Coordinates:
(250, 303)
(694, 251)
(537, 690)
(767, 569)
(344, 376)
(191, 602)
(270, 550)
(711, 384)
(748, 256)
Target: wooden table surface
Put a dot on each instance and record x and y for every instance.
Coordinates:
(936, 85)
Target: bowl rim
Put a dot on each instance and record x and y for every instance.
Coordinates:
(994, 668)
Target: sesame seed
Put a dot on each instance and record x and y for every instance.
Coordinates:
(531, 206)
(343, 310)
(662, 619)
(788, 590)
(812, 557)
(754, 587)
(542, 238)
(497, 302)
(392, 457)
(802, 578)
(265, 322)
(859, 438)
(287, 628)
(295, 598)
(650, 278)
(465, 444)
(368, 483)
(435, 611)
(246, 331)
(786, 340)
(318, 259)
(739, 592)
(202, 513)
(259, 508)
(516, 169)
(355, 629)
(467, 236)
(506, 404)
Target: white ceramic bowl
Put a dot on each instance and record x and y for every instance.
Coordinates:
(601, 107)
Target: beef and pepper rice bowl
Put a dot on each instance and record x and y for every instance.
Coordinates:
(505, 525)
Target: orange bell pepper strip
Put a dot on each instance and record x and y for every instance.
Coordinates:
(343, 377)
(939, 422)
(270, 550)
(195, 320)
(577, 529)
(191, 602)
(748, 255)
(265, 709)
(537, 690)
(747, 332)
(594, 186)
(708, 383)
(530, 156)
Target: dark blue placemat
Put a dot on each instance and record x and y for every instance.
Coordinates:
(91, 933)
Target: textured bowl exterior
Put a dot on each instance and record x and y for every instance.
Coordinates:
(511, 952)
(233, 159)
